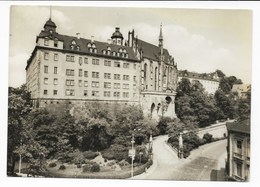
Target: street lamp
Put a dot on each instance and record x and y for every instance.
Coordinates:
(132, 155)
(140, 153)
(150, 146)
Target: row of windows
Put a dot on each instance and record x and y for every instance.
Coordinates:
(71, 92)
(47, 43)
(71, 58)
(46, 69)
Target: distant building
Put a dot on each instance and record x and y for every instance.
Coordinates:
(210, 81)
(74, 69)
(242, 89)
(238, 150)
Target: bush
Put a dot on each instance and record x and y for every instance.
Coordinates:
(62, 167)
(90, 154)
(91, 167)
(116, 151)
(52, 165)
(208, 137)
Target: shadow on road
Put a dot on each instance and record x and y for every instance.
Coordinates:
(217, 175)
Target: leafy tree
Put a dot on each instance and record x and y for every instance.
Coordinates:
(19, 106)
(220, 73)
(184, 87)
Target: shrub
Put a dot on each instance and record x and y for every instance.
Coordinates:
(52, 165)
(208, 137)
(91, 167)
(90, 154)
(62, 167)
(116, 151)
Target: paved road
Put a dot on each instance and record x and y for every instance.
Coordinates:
(204, 163)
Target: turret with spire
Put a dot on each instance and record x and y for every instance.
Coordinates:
(161, 44)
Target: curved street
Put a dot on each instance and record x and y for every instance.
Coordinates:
(206, 163)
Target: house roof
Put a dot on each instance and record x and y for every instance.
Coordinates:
(241, 87)
(83, 43)
(195, 75)
(151, 51)
(239, 126)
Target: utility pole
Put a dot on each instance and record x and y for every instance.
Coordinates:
(132, 155)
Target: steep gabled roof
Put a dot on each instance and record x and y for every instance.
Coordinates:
(82, 43)
(151, 51)
(240, 126)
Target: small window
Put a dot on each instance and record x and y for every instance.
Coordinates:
(55, 92)
(95, 84)
(80, 83)
(106, 93)
(45, 92)
(80, 72)
(107, 63)
(95, 74)
(107, 84)
(73, 42)
(55, 81)
(85, 93)
(85, 60)
(107, 75)
(85, 73)
(104, 52)
(45, 69)
(80, 60)
(126, 77)
(117, 64)
(126, 65)
(109, 48)
(55, 43)
(56, 57)
(72, 58)
(55, 70)
(95, 93)
(117, 76)
(46, 56)
(45, 80)
(85, 83)
(46, 42)
(116, 94)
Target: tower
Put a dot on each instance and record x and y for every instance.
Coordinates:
(161, 41)
(117, 37)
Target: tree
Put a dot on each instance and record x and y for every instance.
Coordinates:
(184, 87)
(19, 106)
(220, 73)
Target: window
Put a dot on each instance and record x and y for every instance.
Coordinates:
(46, 42)
(95, 50)
(134, 78)
(126, 65)
(55, 70)
(55, 43)
(85, 73)
(80, 72)
(125, 94)
(107, 75)
(80, 83)
(134, 66)
(70, 92)
(45, 69)
(56, 57)
(80, 60)
(95, 61)
(89, 44)
(45, 80)
(107, 63)
(117, 64)
(125, 86)
(104, 52)
(117, 76)
(106, 93)
(95, 74)
(85, 93)
(107, 84)
(86, 83)
(55, 92)
(45, 92)
(116, 94)
(126, 55)
(239, 169)
(95, 84)
(55, 81)
(69, 58)
(69, 82)
(126, 77)
(46, 56)
(239, 146)
(95, 93)
(85, 60)
(70, 72)
(116, 85)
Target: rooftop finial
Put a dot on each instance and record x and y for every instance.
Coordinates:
(50, 12)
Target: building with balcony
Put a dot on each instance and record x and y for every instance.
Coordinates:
(210, 81)
(77, 70)
(238, 150)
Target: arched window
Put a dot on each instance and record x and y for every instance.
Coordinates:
(120, 50)
(126, 55)
(89, 44)
(78, 48)
(109, 48)
(155, 78)
(104, 52)
(124, 50)
(93, 45)
(145, 71)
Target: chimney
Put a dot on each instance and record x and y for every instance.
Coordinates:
(92, 39)
(78, 35)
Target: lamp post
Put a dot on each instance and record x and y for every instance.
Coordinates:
(140, 154)
(20, 159)
(132, 155)
(180, 146)
(150, 145)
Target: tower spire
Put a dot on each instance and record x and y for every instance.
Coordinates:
(161, 37)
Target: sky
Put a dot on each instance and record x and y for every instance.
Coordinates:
(200, 40)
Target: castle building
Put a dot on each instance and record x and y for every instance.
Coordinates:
(74, 69)
(238, 151)
(242, 90)
(210, 81)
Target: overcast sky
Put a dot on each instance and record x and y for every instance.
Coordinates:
(199, 40)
